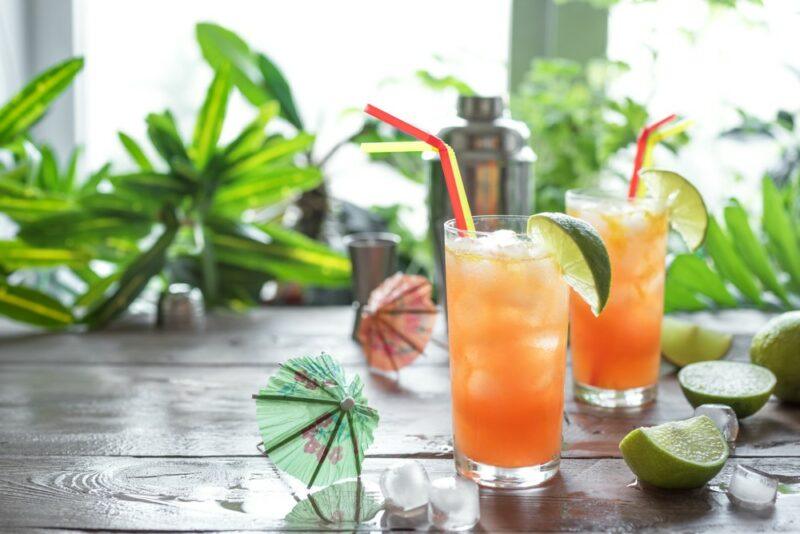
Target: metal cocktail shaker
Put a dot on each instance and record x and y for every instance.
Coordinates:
(495, 162)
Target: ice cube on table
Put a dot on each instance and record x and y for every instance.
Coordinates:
(454, 503)
(723, 417)
(751, 489)
(405, 485)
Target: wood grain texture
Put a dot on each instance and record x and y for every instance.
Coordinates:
(137, 429)
(156, 410)
(247, 493)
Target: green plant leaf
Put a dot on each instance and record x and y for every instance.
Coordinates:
(276, 85)
(728, 263)
(67, 182)
(135, 152)
(150, 183)
(694, 274)
(33, 307)
(750, 248)
(254, 75)
(94, 180)
(135, 278)
(97, 290)
(209, 123)
(252, 137)
(779, 230)
(31, 209)
(31, 103)
(83, 228)
(283, 254)
(680, 298)
(208, 263)
(163, 133)
(264, 188)
(16, 254)
(438, 83)
(272, 151)
(47, 178)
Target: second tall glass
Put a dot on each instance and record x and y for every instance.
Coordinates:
(615, 357)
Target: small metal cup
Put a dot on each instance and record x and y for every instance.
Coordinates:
(181, 307)
(374, 258)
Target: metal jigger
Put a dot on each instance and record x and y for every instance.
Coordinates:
(374, 258)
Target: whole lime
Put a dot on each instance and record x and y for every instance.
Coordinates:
(777, 347)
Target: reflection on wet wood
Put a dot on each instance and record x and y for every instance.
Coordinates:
(140, 429)
(246, 493)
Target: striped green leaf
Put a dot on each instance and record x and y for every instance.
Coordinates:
(47, 177)
(134, 279)
(135, 152)
(256, 77)
(152, 184)
(17, 254)
(780, 231)
(163, 133)
(209, 122)
(272, 151)
(83, 228)
(728, 262)
(33, 307)
(30, 104)
(32, 209)
(252, 137)
(283, 254)
(694, 274)
(750, 249)
(97, 290)
(265, 188)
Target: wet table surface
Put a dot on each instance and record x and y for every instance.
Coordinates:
(136, 429)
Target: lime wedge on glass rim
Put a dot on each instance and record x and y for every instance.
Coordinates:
(687, 210)
(745, 387)
(676, 455)
(683, 342)
(579, 252)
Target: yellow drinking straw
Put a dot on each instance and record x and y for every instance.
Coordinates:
(659, 136)
(396, 146)
(420, 146)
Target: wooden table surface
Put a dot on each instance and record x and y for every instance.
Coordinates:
(137, 429)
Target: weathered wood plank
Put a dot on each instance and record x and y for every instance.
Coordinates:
(247, 493)
(201, 411)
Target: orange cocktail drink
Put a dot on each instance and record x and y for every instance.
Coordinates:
(615, 357)
(507, 310)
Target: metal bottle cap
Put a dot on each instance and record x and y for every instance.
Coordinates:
(480, 108)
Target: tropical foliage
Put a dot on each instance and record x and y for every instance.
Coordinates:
(207, 213)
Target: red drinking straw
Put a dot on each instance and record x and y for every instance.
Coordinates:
(439, 145)
(641, 145)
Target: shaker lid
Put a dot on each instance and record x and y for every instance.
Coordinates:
(480, 108)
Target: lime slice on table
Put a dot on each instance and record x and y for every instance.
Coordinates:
(683, 342)
(676, 455)
(742, 386)
(579, 252)
(687, 210)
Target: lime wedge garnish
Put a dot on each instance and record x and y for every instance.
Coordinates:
(683, 342)
(687, 211)
(742, 386)
(579, 252)
(676, 455)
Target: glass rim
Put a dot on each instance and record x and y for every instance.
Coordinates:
(609, 194)
(450, 226)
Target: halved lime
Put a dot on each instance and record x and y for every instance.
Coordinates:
(742, 386)
(676, 455)
(683, 342)
(580, 253)
(687, 210)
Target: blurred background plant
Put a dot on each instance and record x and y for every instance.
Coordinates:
(209, 214)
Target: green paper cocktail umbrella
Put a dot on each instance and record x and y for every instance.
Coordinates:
(314, 425)
(345, 503)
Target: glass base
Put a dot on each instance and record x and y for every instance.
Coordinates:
(615, 398)
(505, 477)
